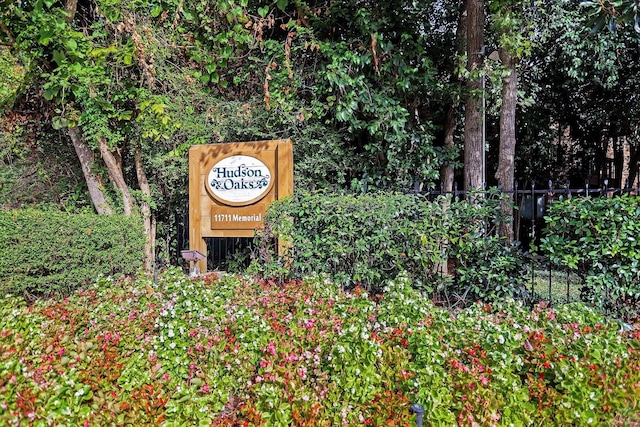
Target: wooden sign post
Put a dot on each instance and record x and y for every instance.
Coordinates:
(230, 187)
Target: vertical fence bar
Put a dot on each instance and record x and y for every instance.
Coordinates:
(533, 235)
(568, 189)
(586, 188)
(548, 200)
(516, 207)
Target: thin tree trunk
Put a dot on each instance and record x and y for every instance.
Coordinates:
(473, 117)
(70, 7)
(145, 209)
(86, 157)
(507, 154)
(115, 173)
(634, 165)
(447, 172)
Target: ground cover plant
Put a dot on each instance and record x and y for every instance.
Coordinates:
(239, 351)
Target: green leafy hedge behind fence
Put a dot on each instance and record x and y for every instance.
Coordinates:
(47, 253)
(371, 238)
(599, 239)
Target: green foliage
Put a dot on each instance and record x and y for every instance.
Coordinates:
(370, 238)
(237, 351)
(598, 238)
(11, 75)
(486, 266)
(49, 253)
(611, 14)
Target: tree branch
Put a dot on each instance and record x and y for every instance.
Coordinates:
(5, 30)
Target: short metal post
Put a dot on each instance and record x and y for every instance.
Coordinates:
(419, 411)
(586, 187)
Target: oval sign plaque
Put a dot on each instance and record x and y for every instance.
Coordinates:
(239, 180)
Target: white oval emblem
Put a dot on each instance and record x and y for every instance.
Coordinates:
(239, 180)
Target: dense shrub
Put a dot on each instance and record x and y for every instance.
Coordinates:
(52, 252)
(244, 352)
(370, 238)
(599, 239)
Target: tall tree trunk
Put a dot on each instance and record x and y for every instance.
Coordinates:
(473, 117)
(447, 171)
(86, 157)
(145, 210)
(507, 154)
(115, 174)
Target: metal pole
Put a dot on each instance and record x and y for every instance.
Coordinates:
(484, 129)
(533, 236)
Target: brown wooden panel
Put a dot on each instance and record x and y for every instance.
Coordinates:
(212, 216)
(242, 218)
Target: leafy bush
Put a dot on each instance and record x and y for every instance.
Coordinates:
(487, 267)
(46, 253)
(599, 239)
(370, 238)
(237, 351)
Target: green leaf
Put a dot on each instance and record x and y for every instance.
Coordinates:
(46, 35)
(282, 4)
(262, 11)
(156, 10)
(71, 44)
(59, 123)
(59, 57)
(51, 92)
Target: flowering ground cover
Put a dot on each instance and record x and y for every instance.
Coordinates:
(247, 352)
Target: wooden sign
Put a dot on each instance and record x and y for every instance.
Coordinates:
(231, 185)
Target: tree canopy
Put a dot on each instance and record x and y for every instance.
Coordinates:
(101, 100)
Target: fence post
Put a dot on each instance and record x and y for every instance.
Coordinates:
(568, 190)
(517, 213)
(533, 236)
(586, 188)
(548, 201)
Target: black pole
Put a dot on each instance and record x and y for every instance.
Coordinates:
(533, 236)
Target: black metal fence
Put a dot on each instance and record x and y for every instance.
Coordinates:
(530, 203)
(546, 280)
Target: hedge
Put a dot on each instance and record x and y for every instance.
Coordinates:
(371, 238)
(598, 238)
(47, 253)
